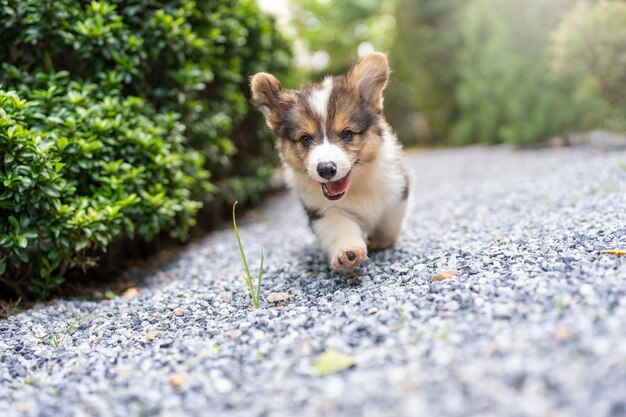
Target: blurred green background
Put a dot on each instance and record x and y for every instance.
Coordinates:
(479, 71)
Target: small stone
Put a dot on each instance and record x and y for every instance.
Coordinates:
(233, 334)
(501, 311)
(443, 275)
(179, 311)
(564, 334)
(452, 305)
(151, 335)
(131, 292)
(176, 380)
(277, 297)
(222, 385)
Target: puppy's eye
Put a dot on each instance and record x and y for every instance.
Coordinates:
(346, 135)
(306, 139)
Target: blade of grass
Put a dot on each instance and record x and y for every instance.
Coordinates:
(258, 284)
(255, 295)
(243, 258)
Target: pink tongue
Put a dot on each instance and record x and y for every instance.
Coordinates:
(337, 187)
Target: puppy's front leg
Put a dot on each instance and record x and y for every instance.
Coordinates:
(342, 239)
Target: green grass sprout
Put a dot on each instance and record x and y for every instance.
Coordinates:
(254, 294)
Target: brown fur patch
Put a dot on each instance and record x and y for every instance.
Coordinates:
(369, 75)
(348, 111)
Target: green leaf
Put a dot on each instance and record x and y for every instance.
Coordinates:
(331, 361)
(49, 190)
(14, 223)
(22, 242)
(3, 265)
(20, 254)
(110, 295)
(24, 220)
(5, 240)
(31, 234)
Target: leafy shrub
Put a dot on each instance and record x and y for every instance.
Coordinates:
(113, 114)
(589, 54)
(81, 168)
(191, 57)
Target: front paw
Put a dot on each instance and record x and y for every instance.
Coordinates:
(349, 258)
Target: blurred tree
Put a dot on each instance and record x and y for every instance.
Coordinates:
(420, 102)
(505, 93)
(589, 54)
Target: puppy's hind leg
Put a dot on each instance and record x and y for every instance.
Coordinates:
(342, 239)
(388, 229)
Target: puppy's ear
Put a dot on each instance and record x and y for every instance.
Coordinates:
(369, 76)
(268, 96)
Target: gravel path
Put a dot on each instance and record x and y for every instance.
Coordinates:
(533, 325)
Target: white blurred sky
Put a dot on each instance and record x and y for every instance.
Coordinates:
(279, 8)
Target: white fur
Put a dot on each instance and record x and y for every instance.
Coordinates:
(328, 152)
(319, 100)
(336, 231)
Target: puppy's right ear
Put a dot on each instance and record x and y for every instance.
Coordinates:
(268, 96)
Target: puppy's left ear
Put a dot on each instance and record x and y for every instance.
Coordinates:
(369, 76)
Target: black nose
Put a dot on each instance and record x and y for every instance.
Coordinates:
(327, 170)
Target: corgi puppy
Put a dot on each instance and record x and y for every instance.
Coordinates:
(341, 156)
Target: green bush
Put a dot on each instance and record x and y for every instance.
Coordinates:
(113, 115)
(190, 57)
(589, 53)
(81, 168)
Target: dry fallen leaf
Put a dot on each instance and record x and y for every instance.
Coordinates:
(617, 252)
(332, 361)
(443, 275)
(131, 292)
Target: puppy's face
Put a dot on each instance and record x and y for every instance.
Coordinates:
(326, 130)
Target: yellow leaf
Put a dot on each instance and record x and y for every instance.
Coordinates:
(332, 361)
(617, 252)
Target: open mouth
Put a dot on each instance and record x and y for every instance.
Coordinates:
(334, 190)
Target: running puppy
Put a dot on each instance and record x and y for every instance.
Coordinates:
(342, 156)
